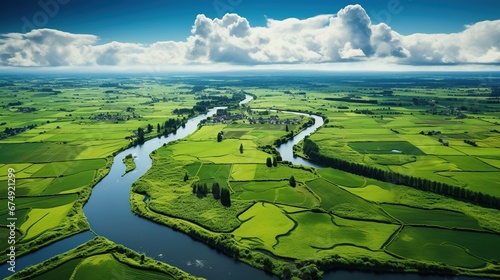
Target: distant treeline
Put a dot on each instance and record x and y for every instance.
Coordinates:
(311, 149)
(348, 99)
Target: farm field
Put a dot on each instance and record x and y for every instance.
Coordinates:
(410, 177)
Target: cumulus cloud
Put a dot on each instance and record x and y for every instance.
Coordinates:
(346, 36)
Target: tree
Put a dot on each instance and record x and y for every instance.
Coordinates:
(275, 161)
(225, 197)
(140, 135)
(149, 128)
(220, 135)
(216, 190)
(241, 148)
(158, 128)
(292, 181)
(186, 177)
(286, 128)
(269, 162)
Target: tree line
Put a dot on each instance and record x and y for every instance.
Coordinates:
(201, 190)
(311, 149)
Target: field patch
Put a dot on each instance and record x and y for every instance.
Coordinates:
(70, 183)
(40, 220)
(452, 247)
(243, 172)
(431, 217)
(107, 267)
(210, 173)
(38, 152)
(469, 163)
(373, 193)
(283, 172)
(261, 225)
(344, 203)
(385, 147)
(236, 134)
(342, 178)
(302, 243)
(27, 187)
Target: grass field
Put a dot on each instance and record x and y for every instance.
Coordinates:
(300, 243)
(342, 202)
(418, 131)
(261, 226)
(431, 217)
(380, 147)
(106, 266)
(432, 244)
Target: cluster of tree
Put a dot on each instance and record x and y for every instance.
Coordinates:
(171, 125)
(444, 142)
(184, 111)
(8, 132)
(470, 142)
(219, 101)
(201, 190)
(272, 162)
(311, 149)
(430, 133)
(292, 182)
(351, 100)
(220, 136)
(363, 112)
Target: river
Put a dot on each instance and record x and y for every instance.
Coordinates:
(109, 215)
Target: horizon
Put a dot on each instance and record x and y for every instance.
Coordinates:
(385, 36)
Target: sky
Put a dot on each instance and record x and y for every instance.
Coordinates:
(315, 33)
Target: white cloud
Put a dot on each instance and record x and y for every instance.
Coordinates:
(345, 37)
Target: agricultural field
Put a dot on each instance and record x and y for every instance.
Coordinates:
(101, 258)
(329, 213)
(409, 181)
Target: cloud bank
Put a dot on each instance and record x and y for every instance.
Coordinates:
(348, 36)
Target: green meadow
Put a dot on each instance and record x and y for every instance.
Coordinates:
(440, 134)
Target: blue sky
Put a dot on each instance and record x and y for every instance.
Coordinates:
(156, 20)
(316, 33)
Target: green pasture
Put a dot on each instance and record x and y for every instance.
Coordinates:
(27, 187)
(274, 191)
(105, 266)
(373, 193)
(469, 163)
(451, 247)
(40, 220)
(344, 203)
(225, 152)
(64, 271)
(70, 183)
(211, 173)
(388, 147)
(261, 226)
(283, 172)
(431, 217)
(484, 182)
(43, 202)
(38, 152)
(243, 172)
(342, 178)
(300, 243)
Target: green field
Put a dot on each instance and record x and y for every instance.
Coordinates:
(431, 217)
(469, 249)
(381, 147)
(343, 203)
(380, 133)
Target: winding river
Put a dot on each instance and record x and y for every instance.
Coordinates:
(109, 215)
